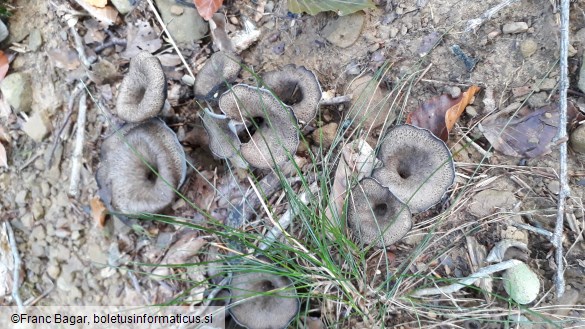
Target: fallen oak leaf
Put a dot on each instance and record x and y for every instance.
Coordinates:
(439, 114)
(98, 211)
(207, 8)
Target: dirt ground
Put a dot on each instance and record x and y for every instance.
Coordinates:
(69, 259)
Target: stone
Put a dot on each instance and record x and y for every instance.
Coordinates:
(471, 111)
(37, 210)
(538, 100)
(38, 233)
(177, 10)
(554, 186)
(185, 29)
(17, 90)
(528, 47)
(35, 40)
(123, 6)
(3, 31)
(548, 84)
(37, 127)
(515, 27)
(325, 135)
(570, 297)
(345, 30)
(521, 283)
(53, 270)
(21, 197)
(577, 139)
(489, 201)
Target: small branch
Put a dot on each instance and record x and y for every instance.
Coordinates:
(464, 282)
(336, 100)
(530, 228)
(565, 191)
(170, 37)
(87, 61)
(473, 24)
(16, 271)
(78, 149)
(479, 149)
(110, 43)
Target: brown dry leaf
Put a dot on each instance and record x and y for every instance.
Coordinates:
(529, 134)
(98, 211)
(97, 3)
(65, 59)
(106, 15)
(141, 36)
(439, 114)
(4, 65)
(207, 8)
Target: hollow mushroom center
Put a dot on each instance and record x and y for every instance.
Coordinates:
(291, 93)
(151, 174)
(254, 124)
(380, 209)
(265, 286)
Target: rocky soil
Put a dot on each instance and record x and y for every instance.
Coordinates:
(71, 259)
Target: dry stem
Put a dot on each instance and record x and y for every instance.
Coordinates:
(78, 148)
(16, 271)
(473, 24)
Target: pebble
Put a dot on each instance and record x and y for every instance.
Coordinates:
(471, 111)
(345, 30)
(554, 186)
(123, 6)
(326, 134)
(37, 210)
(3, 31)
(38, 233)
(53, 270)
(21, 197)
(17, 90)
(177, 10)
(188, 80)
(538, 100)
(36, 127)
(548, 84)
(27, 220)
(186, 28)
(516, 27)
(528, 47)
(45, 189)
(577, 139)
(487, 201)
(570, 297)
(35, 40)
(454, 91)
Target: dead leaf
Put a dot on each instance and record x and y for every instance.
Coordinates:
(439, 114)
(98, 211)
(183, 251)
(207, 8)
(3, 157)
(97, 3)
(4, 65)
(529, 134)
(141, 36)
(65, 59)
(106, 15)
(169, 60)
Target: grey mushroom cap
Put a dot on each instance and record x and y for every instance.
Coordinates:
(143, 91)
(124, 174)
(254, 306)
(273, 128)
(217, 73)
(297, 87)
(376, 216)
(417, 166)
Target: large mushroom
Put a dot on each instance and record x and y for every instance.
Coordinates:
(263, 300)
(143, 91)
(376, 216)
(417, 166)
(271, 126)
(297, 87)
(141, 165)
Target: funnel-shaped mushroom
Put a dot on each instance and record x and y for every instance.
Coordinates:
(143, 90)
(272, 127)
(263, 300)
(219, 70)
(223, 141)
(376, 216)
(297, 87)
(417, 166)
(140, 167)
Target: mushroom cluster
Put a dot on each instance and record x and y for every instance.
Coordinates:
(267, 119)
(142, 164)
(417, 170)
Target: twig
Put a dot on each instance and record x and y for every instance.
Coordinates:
(463, 282)
(78, 149)
(473, 24)
(110, 43)
(43, 295)
(16, 271)
(565, 190)
(286, 219)
(484, 153)
(70, 106)
(170, 37)
(87, 61)
(530, 228)
(336, 100)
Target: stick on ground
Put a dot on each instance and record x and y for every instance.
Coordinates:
(76, 159)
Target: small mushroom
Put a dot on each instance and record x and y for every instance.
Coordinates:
(297, 87)
(223, 141)
(271, 126)
(417, 166)
(263, 300)
(376, 216)
(141, 165)
(521, 283)
(143, 91)
(219, 71)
